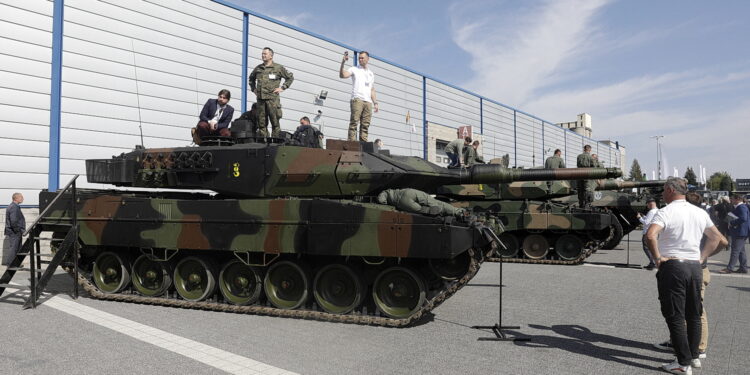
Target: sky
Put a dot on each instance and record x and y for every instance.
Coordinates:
(678, 69)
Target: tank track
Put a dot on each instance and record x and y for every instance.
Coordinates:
(585, 254)
(576, 261)
(448, 290)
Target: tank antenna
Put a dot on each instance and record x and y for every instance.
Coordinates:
(137, 93)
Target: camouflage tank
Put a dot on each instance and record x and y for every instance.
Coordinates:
(623, 205)
(536, 229)
(282, 230)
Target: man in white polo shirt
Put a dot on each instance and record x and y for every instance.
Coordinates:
(364, 99)
(674, 239)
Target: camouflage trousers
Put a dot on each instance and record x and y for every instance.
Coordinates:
(269, 109)
(585, 193)
(361, 111)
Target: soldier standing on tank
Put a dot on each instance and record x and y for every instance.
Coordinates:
(265, 83)
(555, 161)
(585, 189)
(364, 100)
(15, 224)
(597, 163)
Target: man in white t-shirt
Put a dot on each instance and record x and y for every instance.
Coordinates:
(674, 238)
(363, 99)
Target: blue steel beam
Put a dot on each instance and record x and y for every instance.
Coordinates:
(245, 43)
(53, 173)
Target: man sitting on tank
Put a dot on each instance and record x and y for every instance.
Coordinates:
(307, 135)
(252, 116)
(471, 155)
(214, 118)
(416, 201)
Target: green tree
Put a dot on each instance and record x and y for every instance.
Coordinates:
(690, 176)
(720, 181)
(635, 172)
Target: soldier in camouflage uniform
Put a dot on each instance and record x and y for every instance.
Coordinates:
(597, 163)
(264, 82)
(553, 162)
(471, 155)
(416, 201)
(585, 189)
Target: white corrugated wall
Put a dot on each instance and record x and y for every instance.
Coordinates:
(182, 52)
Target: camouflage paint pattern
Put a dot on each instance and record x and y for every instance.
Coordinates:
(271, 226)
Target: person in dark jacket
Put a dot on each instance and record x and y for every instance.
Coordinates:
(306, 135)
(739, 229)
(719, 213)
(214, 118)
(15, 225)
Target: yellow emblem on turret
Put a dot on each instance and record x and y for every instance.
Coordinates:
(236, 169)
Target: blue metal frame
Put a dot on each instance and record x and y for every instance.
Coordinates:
(424, 117)
(53, 174)
(515, 141)
(245, 44)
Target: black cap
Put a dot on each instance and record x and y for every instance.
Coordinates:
(650, 200)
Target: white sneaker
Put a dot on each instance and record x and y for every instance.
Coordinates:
(676, 368)
(696, 363)
(702, 355)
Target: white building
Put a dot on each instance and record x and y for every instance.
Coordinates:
(83, 79)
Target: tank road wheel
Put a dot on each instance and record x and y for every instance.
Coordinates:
(451, 269)
(111, 272)
(616, 234)
(194, 279)
(287, 285)
(151, 278)
(240, 284)
(535, 246)
(338, 289)
(569, 247)
(399, 292)
(511, 243)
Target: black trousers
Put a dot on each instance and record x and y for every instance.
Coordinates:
(679, 285)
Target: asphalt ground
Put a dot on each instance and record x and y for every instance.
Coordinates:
(590, 319)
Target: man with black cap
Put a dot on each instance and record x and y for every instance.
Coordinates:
(646, 221)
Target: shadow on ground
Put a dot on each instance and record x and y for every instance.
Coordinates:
(580, 340)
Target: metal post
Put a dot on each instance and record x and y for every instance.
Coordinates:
(245, 41)
(515, 141)
(35, 233)
(53, 175)
(74, 221)
(424, 117)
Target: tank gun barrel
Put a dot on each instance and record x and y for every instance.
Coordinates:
(617, 185)
(492, 173)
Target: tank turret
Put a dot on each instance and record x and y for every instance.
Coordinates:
(344, 169)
